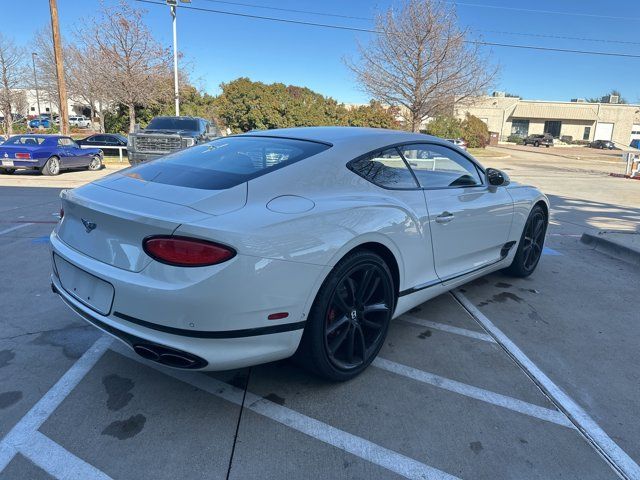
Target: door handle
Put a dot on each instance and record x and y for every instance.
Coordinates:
(444, 217)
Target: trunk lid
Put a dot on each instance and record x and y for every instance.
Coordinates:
(109, 223)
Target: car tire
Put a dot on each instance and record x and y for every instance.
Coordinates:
(8, 171)
(536, 144)
(52, 167)
(349, 319)
(547, 146)
(96, 163)
(531, 244)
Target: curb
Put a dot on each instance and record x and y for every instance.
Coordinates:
(611, 248)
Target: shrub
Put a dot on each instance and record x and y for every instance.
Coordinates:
(475, 132)
(445, 126)
(517, 139)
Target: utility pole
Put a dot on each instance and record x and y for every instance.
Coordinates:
(57, 50)
(175, 61)
(173, 6)
(35, 79)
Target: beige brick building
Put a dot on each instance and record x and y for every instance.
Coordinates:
(577, 119)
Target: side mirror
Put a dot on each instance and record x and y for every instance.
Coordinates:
(497, 178)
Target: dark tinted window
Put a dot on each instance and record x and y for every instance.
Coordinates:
(26, 140)
(385, 168)
(170, 123)
(437, 166)
(225, 162)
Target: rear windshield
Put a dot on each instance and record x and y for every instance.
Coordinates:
(18, 140)
(226, 162)
(169, 123)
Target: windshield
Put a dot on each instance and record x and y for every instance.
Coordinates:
(226, 162)
(20, 140)
(169, 123)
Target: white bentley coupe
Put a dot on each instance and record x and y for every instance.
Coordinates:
(302, 241)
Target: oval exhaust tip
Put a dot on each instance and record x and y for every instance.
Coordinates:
(146, 352)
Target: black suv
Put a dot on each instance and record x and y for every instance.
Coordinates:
(539, 139)
(164, 135)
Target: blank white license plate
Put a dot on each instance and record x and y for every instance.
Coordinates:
(7, 163)
(88, 289)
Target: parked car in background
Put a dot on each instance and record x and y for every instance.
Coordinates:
(103, 141)
(602, 144)
(43, 122)
(79, 121)
(48, 154)
(538, 139)
(164, 135)
(458, 142)
(635, 143)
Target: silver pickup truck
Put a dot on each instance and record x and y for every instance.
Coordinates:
(164, 135)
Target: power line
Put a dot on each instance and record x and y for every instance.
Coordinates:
(371, 19)
(323, 14)
(552, 12)
(366, 30)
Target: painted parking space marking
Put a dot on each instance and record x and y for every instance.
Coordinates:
(597, 437)
(446, 328)
(477, 393)
(550, 252)
(22, 432)
(376, 454)
(15, 227)
(57, 461)
(41, 240)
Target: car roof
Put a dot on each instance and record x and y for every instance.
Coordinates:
(346, 135)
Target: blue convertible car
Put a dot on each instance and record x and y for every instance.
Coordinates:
(47, 153)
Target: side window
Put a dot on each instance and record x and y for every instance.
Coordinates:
(437, 166)
(384, 168)
(64, 142)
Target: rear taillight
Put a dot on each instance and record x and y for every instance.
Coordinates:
(23, 155)
(186, 252)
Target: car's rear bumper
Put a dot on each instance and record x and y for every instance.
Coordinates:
(218, 316)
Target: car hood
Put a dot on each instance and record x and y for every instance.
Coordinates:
(184, 133)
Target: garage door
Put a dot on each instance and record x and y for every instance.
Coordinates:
(604, 131)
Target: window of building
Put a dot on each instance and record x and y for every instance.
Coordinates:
(46, 109)
(33, 109)
(520, 128)
(385, 169)
(553, 127)
(587, 133)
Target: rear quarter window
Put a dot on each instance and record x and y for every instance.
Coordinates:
(226, 162)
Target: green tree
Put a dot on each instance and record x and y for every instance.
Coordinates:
(475, 132)
(373, 115)
(445, 126)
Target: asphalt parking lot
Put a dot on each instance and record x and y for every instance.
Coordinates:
(518, 379)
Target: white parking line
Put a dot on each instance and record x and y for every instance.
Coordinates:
(447, 328)
(486, 396)
(353, 444)
(617, 457)
(11, 229)
(22, 432)
(58, 461)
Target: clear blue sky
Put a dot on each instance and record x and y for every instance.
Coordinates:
(221, 48)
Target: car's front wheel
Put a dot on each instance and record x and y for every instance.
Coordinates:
(531, 244)
(7, 171)
(96, 163)
(349, 318)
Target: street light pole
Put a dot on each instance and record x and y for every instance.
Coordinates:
(35, 79)
(175, 60)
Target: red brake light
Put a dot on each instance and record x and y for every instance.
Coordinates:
(23, 155)
(186, 252)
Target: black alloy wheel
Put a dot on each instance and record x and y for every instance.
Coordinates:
(531, 244)
(349, 320)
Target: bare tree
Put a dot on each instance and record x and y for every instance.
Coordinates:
(46, 68)
(422, 61)
(132, 60)
(86, 79)
(13, 69)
